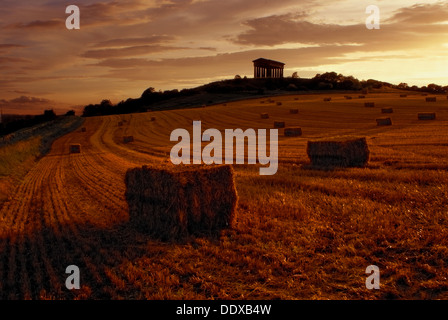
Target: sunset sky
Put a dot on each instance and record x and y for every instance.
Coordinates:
(124, 47)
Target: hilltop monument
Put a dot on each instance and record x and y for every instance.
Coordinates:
(265, 68)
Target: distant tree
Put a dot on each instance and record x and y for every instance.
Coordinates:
(49, 115)
(403, 86)
(237, 77)
(70, 113)
(295, 75)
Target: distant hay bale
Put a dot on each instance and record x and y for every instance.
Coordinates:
(424, 94)
(296, 99)
(403, 95)
(264, 116)
(384, 122)
(348, 97)
(120, 123)
(361, 97)
(427, 116)
(262, 102)
(128, 139)
(279, 124)
(294, 111)
(203, 106)
(343, 152)
(83, 129)
(293, 132)
(153, 118)
(327, 99)
(172, 204)
(387, 110)
(279, 103)
(431, 99)
(369, 104)
(75, 148)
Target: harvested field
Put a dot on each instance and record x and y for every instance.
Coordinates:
(300, 234)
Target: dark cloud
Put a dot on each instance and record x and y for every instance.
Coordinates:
(421, 14)
(38, 24)
(156, 39)
(26, 99)
(128, 51)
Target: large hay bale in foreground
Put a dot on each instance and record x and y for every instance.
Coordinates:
(294, 111)
(172, 203)
(279, 124)
(128, 139)
(431, 99)
(293, 132)
(264, 116)
(427, 116)
(384, 122)
(342, 152)
(369, 104)
(387, 110)
(75, 148)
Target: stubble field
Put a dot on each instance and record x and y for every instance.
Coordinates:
(299, 234)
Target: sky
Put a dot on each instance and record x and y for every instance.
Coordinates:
(124, 47)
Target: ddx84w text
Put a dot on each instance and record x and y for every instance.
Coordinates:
(245, 309)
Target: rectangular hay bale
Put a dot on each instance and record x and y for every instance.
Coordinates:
(179, 202)
(342, 152)
(387, 110)
(128, 139)
(369, 104)
(384, 122)
(75, 148)
(264, 116)
(293, 132)
(327, 99)
(427, 116)
(431, 99)
(83, 129)
(279, 124)
(294, 111)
